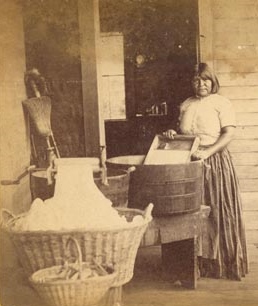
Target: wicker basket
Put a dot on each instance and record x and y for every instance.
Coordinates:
(80, 292)
(117, 247)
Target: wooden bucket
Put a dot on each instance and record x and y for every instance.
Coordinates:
(118, 186)
(116, 190)
(125, 162)
(39, 187)
(173, 189)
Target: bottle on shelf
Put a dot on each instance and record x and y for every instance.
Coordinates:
(164, 108)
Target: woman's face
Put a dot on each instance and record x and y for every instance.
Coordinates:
(202, 86)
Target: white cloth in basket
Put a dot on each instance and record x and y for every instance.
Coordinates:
(77, 204)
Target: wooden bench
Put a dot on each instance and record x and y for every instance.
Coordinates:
(180, 237)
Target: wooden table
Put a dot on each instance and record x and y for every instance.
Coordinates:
(181, 243)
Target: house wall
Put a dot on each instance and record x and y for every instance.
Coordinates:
(52, 45)
(229, 42)
(14, 144)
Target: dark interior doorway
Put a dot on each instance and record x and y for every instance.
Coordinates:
(160, 50)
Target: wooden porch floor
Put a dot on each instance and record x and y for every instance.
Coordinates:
(147, 288)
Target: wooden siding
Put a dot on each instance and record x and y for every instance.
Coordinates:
(234, 43)
(247, 132)
(241, 50)
(249, 201)
(242, 145)
(235, 9)
(247, 119)
(250, 107)
(245, 158)
(239, 65)
(249, 185)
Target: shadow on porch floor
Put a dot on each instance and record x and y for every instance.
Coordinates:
(147, 288)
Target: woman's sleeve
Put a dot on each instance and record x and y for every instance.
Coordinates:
(227, 114)
(180, 113)
(182, 109)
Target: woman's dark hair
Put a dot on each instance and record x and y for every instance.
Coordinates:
(204, 71)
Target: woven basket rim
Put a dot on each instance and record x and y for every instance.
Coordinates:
(78, 230)
(9, 229)
(99, 278)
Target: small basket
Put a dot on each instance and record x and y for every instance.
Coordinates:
(80, 292)
(117, 247)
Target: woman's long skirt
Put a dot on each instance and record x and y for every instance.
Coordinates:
(227, 256)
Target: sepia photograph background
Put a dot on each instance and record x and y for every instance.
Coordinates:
(115, 73)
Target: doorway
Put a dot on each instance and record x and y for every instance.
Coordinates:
(160, 50)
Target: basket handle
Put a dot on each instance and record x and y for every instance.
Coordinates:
(9, 214)
(7, 217)
(78, 248)
(79, 252)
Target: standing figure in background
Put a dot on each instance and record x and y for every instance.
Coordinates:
(211, 117)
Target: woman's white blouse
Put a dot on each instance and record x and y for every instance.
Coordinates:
(205, 116)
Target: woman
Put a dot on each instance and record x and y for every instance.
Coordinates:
(211, 117)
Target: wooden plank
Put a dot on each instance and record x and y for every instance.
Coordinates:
(252, 236)
(242, 37)
(250, 201)
(237, 2)
(252, 252)
(164, 150)
(246, 132)
(241, 146)
(235, 9)
(247, 172)
(236, 79)
(92, 124)
(238, 51)
(101, 122)
(248, 185)
(247, 119)
(233, 25)
(237, 65)
(248, 106)
(239, 92)
(245, 158)
(251, 220)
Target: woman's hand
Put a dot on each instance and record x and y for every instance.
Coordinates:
(226, 136)
(200, 154)
(170, 134)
